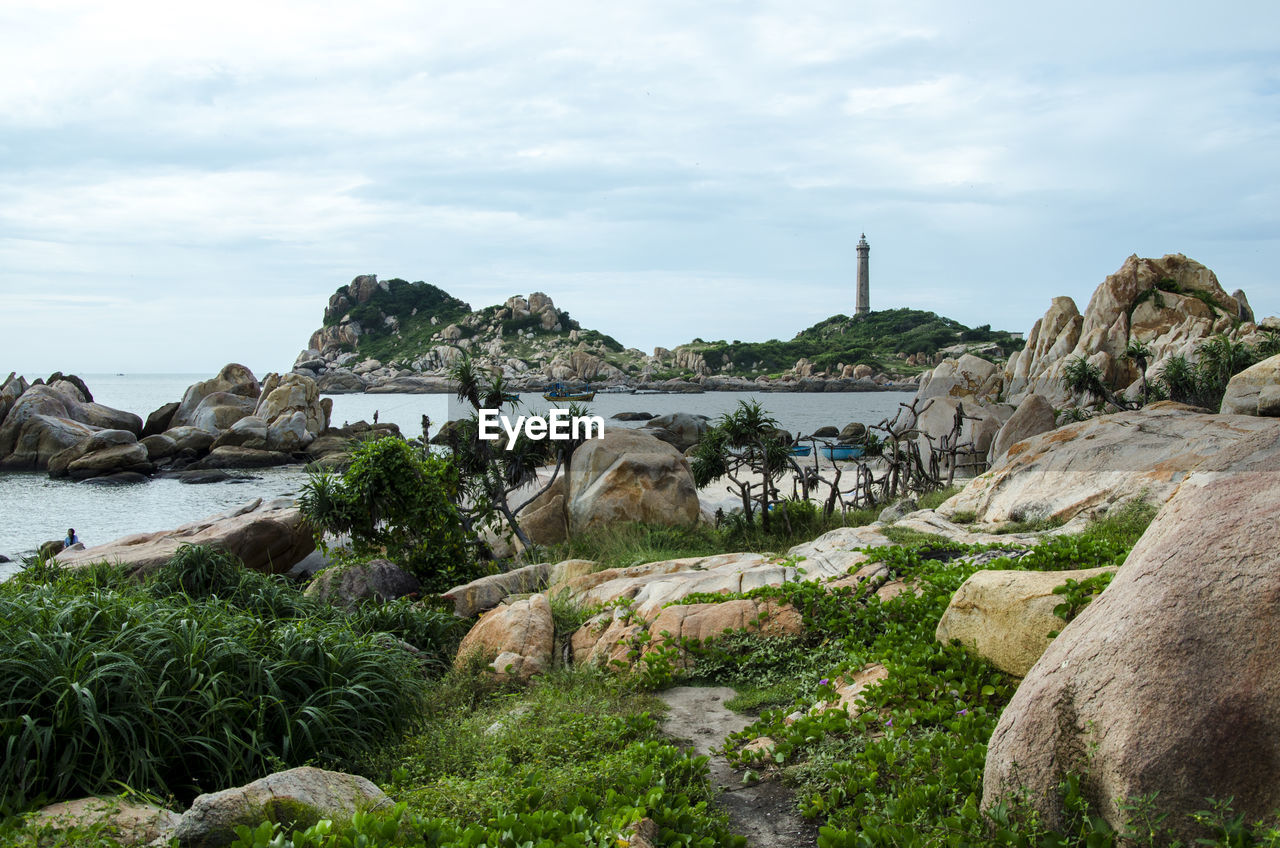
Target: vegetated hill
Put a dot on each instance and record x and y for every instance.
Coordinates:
(891, 340)
(422, 327)
(375, 330)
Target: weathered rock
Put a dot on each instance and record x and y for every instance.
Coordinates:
(828, 432)
(111, 460)
(679, 429)
(487, 592)
(232, 457)
(1163, 303)
(267, 536)
(631, 416)
(248, 432)
(1006, 616)
(967, 378)
(233, 379)
(1167, 686)
(191, 438)
(45, 420)
(349, 586)
(339, 382)
(300, 796)
(545, 521)
(1034, 416)
(289, 433)
(160, 420)
(117, 478)
(97, 441)
(521, 637)
(1084, 468)
(284, 396)
(159, 446)
(1245, 389)
(609, 640)
(1244, 311)
(218, 411)
(629, 476)
(129, 822)
(854, 431)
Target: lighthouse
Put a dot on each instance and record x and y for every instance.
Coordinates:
(864, 276)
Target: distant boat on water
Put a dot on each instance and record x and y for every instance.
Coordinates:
(561, 392)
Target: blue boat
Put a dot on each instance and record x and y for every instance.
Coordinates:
(841, 451)
(801, 450)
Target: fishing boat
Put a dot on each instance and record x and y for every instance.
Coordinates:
(841, 451)
(561, 392)
(510, 397)
(801, 450)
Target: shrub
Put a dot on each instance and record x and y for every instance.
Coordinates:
(400, 502)
(175, 693)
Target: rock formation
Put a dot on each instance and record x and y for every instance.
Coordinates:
(1165, 687)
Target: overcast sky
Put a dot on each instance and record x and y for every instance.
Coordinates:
(183, 185)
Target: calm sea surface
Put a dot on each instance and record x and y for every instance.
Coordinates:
(34, 509)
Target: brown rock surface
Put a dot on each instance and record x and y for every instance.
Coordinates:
(520, 635)
(233, 379)
(130, 822)
(1247, 388)
(629, 476)
(1006, 617)
(307, 793)
(1033, 416)
(1167, 685)
(1082, 468)
(267, 536)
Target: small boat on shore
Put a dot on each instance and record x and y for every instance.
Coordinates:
(560, 392)
(841, 451)
(801, 450)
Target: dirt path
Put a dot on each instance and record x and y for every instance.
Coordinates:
(765, 812)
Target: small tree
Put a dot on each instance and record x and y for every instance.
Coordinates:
(1139, 353)
(1085, 378)
(742, 445)
(491, 472)
(400, 502)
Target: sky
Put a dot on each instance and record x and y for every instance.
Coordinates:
(184, 185)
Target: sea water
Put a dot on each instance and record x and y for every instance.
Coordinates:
(35, 509)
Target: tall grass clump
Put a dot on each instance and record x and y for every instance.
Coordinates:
(201, 678)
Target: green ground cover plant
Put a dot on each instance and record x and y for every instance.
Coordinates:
(204, 676)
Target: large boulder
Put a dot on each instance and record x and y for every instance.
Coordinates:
(349, 586)
(1255, 390)
(111, 460)
(1085, 468)
(129, 822)
(226, 456)
(233, 379)
(1169, 304)
(1167, 686)
(45, 420)
(268, 536)
(217, 411)
(629, 476)
(300, 796)
(680, 429)
(520, 636)
(1006, 617)
(968, 378)
(160, 420)
(339, 382)
(1034, 416)
(283, 396)
(97, 441)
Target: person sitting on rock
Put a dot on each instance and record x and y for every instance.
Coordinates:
(71, 538)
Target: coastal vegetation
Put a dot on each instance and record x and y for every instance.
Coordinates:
(202, 676)
(876, 339)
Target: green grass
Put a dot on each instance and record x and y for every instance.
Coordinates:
(205, 676)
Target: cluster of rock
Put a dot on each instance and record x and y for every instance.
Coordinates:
(1163, 304)
(228, 421)
(547, 348)
(300, 797)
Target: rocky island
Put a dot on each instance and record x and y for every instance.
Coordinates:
(396, 336)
